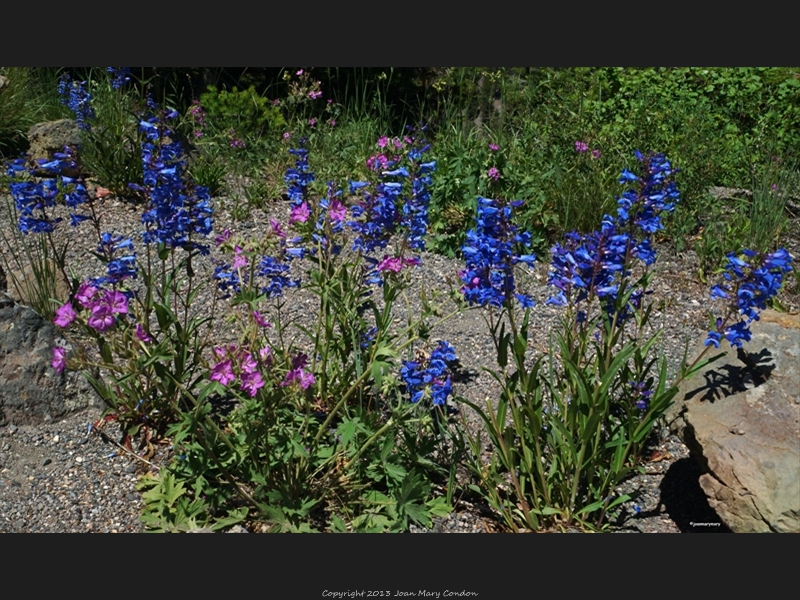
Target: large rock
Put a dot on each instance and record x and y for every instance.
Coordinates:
(741, 418)
(31, 392)
(50, 137)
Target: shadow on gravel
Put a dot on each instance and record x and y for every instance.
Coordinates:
(685, 502)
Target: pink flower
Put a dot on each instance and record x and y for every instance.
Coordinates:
(398, 143)
(299, 214)
(247, 363)
(286, 135)
(494, 173)
(221, 239)
(265, 354)
(276, 102)
(389, 263)
(262, 322)
(142, 334)
(383, 141)
(223, 372)
(494, 147)
(596, 153)
(65, 315)
(85, 294)
(332, 122)
(59, 359)
(276, 228)
(300, 72)
(314, 95)
(252, 382)
(239, 260)
(299, 376)
(330, 101)
(581, 147)
(337, 211)
(312, 121)
(101, 318)
(116, 301)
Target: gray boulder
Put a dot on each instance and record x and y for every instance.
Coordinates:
(31, 392)
(51, 136)
(740, 417)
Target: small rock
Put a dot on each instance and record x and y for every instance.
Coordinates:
(46, 462)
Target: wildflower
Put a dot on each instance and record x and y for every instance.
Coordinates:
(223, 372)
(595, 153)
(299, 214)
(101, 318)
(494, 173)
(65, 315)
(299, 377)
(431, 375)
(494, 147)
(251, 383)
(383, 141)
(260, 320)
(59, 359)
(141, 334)
(286, 135)
(121, 76)
(314, 95)
(581, 147)
(312, 121)
(753, 279)
(490, 257)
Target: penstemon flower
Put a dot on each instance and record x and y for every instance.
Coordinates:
(490, 256)
(753, 279)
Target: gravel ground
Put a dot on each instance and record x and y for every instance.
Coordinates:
(58, 478)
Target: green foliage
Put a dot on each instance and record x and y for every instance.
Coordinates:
(245, 112)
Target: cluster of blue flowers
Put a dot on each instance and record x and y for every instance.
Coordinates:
(490, 255)
(299, 177)
(120, 76)
(33, 196)
(176, 209)
(76, 96)
(379, 215)
(753, 279)
(118, 268)
(592, 265)
(431, 376)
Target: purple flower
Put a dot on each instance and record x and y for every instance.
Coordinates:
(494, 173)
(262, 322)
(581, 147)
(141, 334)
(65, 315)
(59, 359)
(300, 377)
(223, 372)
(252, 382)
(494, 147)
(101, 318)
(299, 214)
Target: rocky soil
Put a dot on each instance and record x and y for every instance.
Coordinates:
(57, 477)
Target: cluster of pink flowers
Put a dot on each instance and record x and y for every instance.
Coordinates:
(235, 141)
(494, 173)
(377, 162)
(237, 363)
(384, 141)
(101, 307)
(199, 117)
(581, 147)
(297, 375)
